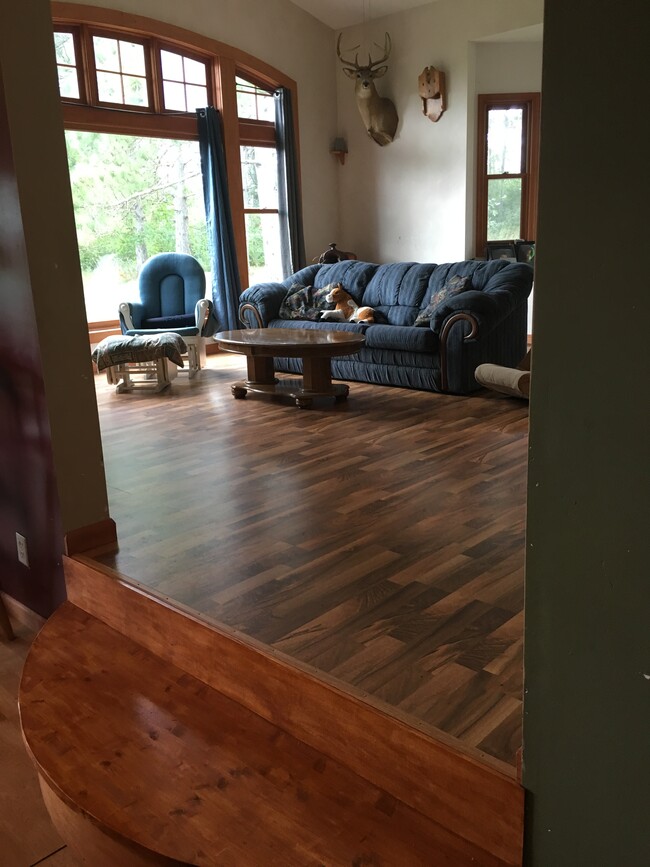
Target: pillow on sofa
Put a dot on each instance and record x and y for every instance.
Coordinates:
(453, 286)
(305, 302)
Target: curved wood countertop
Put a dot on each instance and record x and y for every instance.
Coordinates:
(143, 763)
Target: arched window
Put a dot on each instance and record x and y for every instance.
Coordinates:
(130, 88)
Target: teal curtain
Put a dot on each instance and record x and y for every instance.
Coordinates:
(291, 231)
(226, 287)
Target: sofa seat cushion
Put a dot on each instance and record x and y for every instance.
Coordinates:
(401, 337)
(396, 357)
(353, 369)
(169, 323)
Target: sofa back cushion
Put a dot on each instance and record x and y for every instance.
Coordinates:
(479, 273)
(352, 275)
(396, 292)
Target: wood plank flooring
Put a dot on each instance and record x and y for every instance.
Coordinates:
(27, 836)
(380, 540)
(169, 770)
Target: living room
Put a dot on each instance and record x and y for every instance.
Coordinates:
(72, 518)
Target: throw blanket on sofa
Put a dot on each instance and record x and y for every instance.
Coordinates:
(305, 302)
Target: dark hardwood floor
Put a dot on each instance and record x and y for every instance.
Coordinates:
(380, 540)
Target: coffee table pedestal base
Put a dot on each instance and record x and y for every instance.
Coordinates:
(316, 381)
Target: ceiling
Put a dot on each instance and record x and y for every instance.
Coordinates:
(338, 14)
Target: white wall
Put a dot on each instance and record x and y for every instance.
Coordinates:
(413, 199)
(508, 67)
(294, 42)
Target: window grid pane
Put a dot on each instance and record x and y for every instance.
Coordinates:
(184, 82)
(107, 57)
(504, 141)
(64, 48)
(68, 82)
(135, 90)
(174, 95)
(263, 246)
(132, 58)
(260, 177)
(504, 209)
(109, 87)
(121, 71)
(196, 97)
(172, 65)
(66, 59)
(253, 102)
(194, 71)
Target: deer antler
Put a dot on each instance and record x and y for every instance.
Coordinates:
(349, 63)
(386, 49)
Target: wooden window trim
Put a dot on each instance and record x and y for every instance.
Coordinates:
(225, 62)
(257, 133)
(530, 161)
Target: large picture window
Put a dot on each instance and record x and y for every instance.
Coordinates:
(508, 165)
(129, 107)
(133, 197)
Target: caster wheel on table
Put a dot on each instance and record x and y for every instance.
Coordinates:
(304, 402)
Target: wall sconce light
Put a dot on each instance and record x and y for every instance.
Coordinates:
(339, 149)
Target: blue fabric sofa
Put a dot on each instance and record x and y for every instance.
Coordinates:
(486, 322)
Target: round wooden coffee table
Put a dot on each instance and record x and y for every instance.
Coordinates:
(315, 347)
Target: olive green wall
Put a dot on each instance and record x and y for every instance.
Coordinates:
(587, 646)
(51, 466)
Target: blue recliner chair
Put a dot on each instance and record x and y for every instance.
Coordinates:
(172, 298)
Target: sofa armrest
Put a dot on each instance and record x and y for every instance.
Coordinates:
(259, 304)
(486, 309)
(478, 327)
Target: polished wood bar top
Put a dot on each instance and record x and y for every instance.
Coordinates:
(151, 754)
(290, 342)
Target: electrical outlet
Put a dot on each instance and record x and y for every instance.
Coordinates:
(21, 547)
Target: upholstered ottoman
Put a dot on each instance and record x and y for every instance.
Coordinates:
(153, 359)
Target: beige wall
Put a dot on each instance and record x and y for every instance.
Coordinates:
(294, 42)
(411, 199)
(508, 67)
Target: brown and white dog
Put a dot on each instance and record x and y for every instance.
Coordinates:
(347, 309)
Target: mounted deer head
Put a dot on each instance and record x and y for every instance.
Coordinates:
(378, 113)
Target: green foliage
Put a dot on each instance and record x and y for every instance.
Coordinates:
(126, 191)
(504, 209)
(254, 240)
